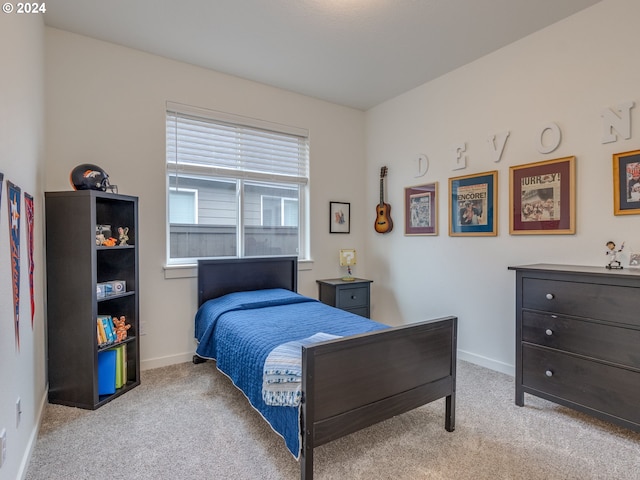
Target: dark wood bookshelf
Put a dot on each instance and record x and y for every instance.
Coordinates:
(75, 265)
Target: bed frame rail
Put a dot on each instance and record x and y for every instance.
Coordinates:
(352, 383)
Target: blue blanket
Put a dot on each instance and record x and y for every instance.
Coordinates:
(239, 330)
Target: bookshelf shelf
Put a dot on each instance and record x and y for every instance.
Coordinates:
(75, 267)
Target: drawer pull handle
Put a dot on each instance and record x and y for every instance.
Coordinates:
(549, 373)
(549, 296)
(549, 332)
(353, 297)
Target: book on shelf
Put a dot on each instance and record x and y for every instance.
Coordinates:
(102, 336)
(119, 359)
(109, 328)
(106, 372)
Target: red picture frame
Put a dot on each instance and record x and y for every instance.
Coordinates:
(542, 198)
(421, 209)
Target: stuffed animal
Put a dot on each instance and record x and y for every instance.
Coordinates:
(123, 235)
(109, 242)
(121, 328)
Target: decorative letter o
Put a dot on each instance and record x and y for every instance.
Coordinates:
(555, 137)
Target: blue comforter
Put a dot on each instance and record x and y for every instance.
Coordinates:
(239, 330)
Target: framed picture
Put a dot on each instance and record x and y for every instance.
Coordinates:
(339, 217)
(473, 206)
(421, 209)
(542, 198)
(626, 183)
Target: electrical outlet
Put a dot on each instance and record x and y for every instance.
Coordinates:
(3, 446)
(18, 412)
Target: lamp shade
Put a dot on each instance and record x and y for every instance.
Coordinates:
(347, 257)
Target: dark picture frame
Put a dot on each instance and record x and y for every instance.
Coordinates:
(542, 199)
(421, 209)
(473, 205)
(626, 183)
(339, 217)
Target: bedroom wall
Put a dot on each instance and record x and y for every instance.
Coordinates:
(22, 368)
(105, 104)
(566, 74)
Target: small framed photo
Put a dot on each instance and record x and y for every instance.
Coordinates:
(626, 183)
(473, 206)
(339, 217)
(421, 209)
(542, 198)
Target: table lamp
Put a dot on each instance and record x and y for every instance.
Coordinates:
(348, 258)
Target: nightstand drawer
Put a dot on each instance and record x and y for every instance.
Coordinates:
(597, 386)
(603, 302)
(603, 342)
(353, 297)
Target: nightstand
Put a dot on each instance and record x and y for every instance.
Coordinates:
(351, 296)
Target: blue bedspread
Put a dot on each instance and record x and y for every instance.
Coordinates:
(239, 330)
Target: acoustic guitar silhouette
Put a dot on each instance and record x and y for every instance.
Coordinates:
(383, 223)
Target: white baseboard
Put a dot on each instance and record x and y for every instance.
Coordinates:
(33, 438)
(165, 361)
(462, 355)
(487, 362)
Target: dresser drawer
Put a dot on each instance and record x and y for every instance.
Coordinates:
(353, 297)
(604, 342)
(592, 300)
(604, 388)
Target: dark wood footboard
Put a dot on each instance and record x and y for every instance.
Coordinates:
(352, 383)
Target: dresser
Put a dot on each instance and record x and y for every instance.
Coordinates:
(578, 339)
(352, 296)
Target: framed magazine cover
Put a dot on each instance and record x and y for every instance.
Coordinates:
(421, 209)
(473, 206)
(542, 198)
(626, 183)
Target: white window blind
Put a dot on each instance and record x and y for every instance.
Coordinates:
(212, 146)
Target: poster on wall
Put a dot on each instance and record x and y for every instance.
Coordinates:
(542, 198)
(28, 210)
(14, 240)
(473, 205)
(1, 183)
(626, 183)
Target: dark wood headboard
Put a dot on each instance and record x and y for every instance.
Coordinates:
(219, 277)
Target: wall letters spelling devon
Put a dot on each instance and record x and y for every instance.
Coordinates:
(615, 122)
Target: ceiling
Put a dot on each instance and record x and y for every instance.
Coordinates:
(356, 53)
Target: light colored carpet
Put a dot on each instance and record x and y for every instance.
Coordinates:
(189, 422)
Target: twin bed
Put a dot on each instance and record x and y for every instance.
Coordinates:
(361, 372)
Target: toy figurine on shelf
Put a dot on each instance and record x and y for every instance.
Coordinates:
(123, 236)
(109, 242)
(121, 328)
(612, 253)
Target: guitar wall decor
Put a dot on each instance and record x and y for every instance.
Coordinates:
(383, 223)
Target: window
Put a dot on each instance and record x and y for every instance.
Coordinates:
(279, 211)
(183, 205)
(235, 186)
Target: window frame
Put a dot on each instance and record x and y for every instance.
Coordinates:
(173, 167)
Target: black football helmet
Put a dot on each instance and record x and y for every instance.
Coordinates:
(90, 177)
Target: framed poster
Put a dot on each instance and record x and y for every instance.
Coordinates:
(339, 217)
(626, 183)
(421, 209)
(542, 198)
(473, 207)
